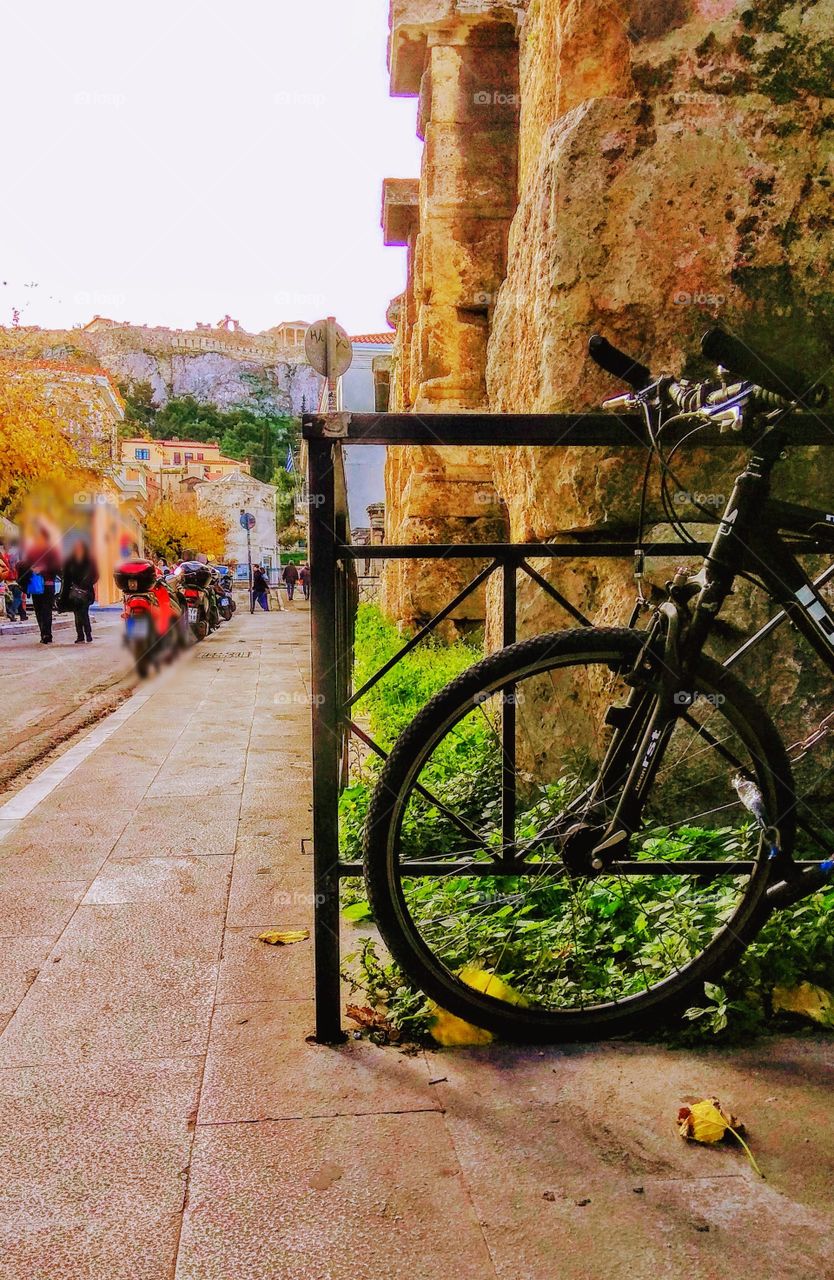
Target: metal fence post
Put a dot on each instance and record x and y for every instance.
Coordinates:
(325, 717)
(508, 773)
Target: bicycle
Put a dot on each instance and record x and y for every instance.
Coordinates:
(584, 873)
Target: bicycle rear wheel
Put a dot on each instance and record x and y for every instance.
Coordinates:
(492, 906)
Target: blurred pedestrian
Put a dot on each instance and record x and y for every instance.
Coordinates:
(37, 572)
(78, 589)
(304, 579)
(290, 579)
(15, 598)
(260, 589)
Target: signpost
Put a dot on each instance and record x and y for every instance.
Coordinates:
(247, 522)
(328, 349)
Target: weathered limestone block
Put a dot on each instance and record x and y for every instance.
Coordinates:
(460, 57)
(704, 193)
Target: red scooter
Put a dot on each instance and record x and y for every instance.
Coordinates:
(156, 623)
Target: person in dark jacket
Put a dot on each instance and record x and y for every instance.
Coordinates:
(290, 579)
(37, 572)
(260, 589)
(304, 579)
(78, 589)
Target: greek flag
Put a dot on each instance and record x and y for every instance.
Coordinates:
(289, 465)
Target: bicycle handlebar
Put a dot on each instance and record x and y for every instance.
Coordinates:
(618, 363)
(743, 362)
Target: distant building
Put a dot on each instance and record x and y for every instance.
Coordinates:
(232, 493)
(365, 389)
(175, 465)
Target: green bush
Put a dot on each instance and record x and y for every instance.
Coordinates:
(796, 945)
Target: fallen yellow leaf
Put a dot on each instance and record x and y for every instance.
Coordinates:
(708, 1122)
(807, 1000)
(448, 1030)
(283, 937)
(704, 1121)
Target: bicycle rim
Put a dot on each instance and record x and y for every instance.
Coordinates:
(557, 950)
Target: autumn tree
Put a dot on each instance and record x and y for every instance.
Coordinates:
(176, 530)
(34, 448)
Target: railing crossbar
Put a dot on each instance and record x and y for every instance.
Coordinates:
(421, 634)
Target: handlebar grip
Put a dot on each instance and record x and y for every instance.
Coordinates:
(771, 375)
(618, 363)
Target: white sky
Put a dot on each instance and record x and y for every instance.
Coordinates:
(168, 161)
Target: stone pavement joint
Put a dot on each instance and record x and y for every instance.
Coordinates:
(163, 1115)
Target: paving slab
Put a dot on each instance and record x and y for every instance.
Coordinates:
(252, 971)
(126, 982)
(339, 1199)
(164, 826)
(261, 1065)
(94, 1162)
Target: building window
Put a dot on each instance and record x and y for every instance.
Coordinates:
(177, 459)
(189, 457)
(199, 457)
(142, 455)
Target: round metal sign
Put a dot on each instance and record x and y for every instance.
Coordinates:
(315, 347)
(247, 520)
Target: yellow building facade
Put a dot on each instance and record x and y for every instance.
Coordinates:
(171, 464)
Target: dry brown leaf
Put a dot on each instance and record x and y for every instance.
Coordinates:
(368, 1019)
(283, 937)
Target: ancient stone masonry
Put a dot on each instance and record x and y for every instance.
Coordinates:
(634, 167)
(460, 60)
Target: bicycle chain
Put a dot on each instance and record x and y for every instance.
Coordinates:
(804, 745)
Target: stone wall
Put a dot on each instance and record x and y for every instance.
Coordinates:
(460, 60)
(673, 164)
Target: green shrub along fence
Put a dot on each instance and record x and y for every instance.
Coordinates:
(797, 945)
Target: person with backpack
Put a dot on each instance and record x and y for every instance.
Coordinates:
(78, 589)
(40, 566)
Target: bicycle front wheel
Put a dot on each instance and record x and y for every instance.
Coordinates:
(482, 830)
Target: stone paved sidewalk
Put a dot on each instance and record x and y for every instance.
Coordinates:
(163, 1116)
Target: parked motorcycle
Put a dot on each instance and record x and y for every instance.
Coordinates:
(194, 581)
(155, 622)
(223, 591)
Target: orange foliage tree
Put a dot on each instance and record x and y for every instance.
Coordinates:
(33, 447)
(176, 530)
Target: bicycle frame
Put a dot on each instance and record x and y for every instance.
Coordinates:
(747, 540)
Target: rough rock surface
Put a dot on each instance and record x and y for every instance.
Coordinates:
(676, 166)
(224, 374)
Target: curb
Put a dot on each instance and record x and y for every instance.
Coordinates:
(31, 628)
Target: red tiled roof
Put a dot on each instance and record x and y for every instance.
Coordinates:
(370, 338)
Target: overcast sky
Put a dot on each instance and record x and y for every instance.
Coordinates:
(168, 161)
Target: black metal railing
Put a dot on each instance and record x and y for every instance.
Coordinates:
(333, 599)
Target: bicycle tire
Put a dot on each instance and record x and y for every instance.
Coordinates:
(617, 645)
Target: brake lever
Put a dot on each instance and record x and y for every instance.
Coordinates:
(616, 404)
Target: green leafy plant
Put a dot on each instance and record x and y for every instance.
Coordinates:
(490, 919)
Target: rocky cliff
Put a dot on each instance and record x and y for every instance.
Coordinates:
(213, 365)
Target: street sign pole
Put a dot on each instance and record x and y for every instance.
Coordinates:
(247, 522)
(330, 361)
